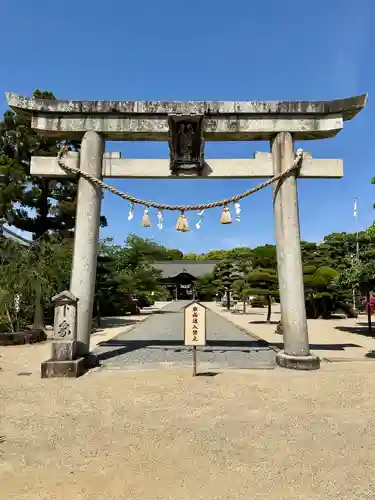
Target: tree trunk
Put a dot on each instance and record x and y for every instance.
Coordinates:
(9, 319)
(369, 314)
(269, 304)
(313, 303)
(38, 323)
(244, 306)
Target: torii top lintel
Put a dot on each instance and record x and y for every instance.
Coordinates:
(219, 120)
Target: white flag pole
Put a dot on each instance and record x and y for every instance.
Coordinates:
(355, 214)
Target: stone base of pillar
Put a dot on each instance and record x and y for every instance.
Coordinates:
(309, 362)
(73, 368)
(68, 368)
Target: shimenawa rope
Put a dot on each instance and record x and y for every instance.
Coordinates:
(182, 208)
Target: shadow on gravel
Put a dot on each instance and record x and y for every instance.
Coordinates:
(162, 311)
(320, 347)
(360, 329)
(264, 322)
(118, 347)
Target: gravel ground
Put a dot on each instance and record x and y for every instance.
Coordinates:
(124, 435)
(243, 434)
(158, 343)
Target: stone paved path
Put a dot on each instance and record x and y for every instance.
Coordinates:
(157, 343)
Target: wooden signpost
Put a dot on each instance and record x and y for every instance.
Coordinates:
(195, 329)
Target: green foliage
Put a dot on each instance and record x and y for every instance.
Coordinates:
(215, 255)
(143, 249)
(44, 266)
(225, 274)
(174, 254)
(205, 287)
(360, 274)
(124, 272)
(33, 204)
(263, 282)
(318, 279)
(264, 257)
(322, 295)
(192, 256)
(241, 285)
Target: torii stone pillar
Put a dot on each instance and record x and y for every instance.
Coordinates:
(296, 352)
(86, 235)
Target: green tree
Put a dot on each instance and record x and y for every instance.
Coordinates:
(136, 273)
(320, 293)
(240, 254)
(264, 256)
(108, 300)
(216, 255)
(264, 283)
(33, 204)
(34, 274)
(137, 248)
(191, 256)
(174, 254)
(361, 275)
(225, 274)
(205, 287)
(241, 269)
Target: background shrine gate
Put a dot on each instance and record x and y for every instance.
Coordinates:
(186, 126)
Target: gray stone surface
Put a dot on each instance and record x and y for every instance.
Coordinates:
(86, 238)
(157, 343)
(310, 362)
(155, 128)
(63, 369)
(151, 168)
(149, 120)
(24, 337)
(65, 316)
(349, 107)
(64, 350)
(288, 246)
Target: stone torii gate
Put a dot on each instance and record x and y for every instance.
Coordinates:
(186, 126)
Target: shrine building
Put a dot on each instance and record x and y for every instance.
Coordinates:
(179, 276)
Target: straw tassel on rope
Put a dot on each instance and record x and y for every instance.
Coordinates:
(146, 219)
(226, 217)
(182, 223)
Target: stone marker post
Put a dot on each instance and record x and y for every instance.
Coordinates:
(86, 237)
(64, 361)
(296, 352)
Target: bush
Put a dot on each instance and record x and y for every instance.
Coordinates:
(258, 301)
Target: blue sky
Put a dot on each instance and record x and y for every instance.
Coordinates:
(208, 50)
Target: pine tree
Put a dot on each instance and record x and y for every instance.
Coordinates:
(264, 282)
(241, 285)
(40, 206)
(225, 274)
(33, 204)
